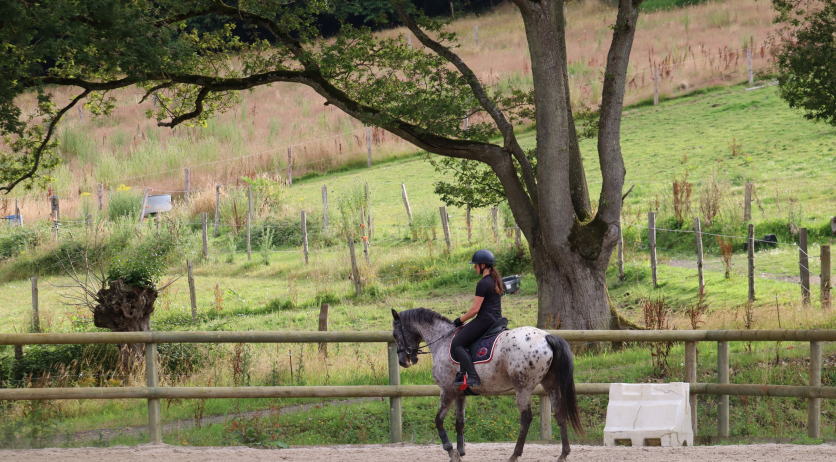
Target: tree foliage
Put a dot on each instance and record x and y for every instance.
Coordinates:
(806, 57)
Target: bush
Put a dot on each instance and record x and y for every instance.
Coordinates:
(511, 260)
(67, 361)
(123, 203)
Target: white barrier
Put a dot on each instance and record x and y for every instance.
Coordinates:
(649, 415)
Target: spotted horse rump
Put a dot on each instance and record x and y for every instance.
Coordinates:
(482, 350)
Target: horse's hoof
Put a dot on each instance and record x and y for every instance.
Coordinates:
(561, 459)
(454, 456)
(513, 459)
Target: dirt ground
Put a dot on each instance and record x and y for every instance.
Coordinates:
(487, 452)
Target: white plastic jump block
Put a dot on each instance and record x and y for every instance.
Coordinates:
(649, 415)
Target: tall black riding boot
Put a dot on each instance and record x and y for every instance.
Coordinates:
(467, 365)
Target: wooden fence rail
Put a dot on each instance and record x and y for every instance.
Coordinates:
(394, 391)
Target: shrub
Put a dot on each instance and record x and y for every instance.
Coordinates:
(349, 204)
(123, 203)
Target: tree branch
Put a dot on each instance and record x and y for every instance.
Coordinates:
(198, 109)
(504, 126)
(609, 135)
(40, 149)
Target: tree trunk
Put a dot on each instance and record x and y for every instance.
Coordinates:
(125, 308)
(571, 294)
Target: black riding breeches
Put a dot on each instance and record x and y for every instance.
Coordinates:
(470, 333)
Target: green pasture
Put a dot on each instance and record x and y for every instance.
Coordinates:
(790, 161)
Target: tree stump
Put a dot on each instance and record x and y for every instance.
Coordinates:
(125, 308)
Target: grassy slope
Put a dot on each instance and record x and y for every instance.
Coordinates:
(649, 135)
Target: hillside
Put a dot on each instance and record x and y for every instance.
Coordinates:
(693, 47)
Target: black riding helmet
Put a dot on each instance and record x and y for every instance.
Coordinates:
(483, 256)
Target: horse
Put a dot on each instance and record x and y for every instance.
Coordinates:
(522, 358)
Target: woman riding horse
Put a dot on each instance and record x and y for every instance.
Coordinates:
(487, 307)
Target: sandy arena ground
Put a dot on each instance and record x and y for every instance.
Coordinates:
(487, 452)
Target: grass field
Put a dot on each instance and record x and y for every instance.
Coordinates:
(789, 160)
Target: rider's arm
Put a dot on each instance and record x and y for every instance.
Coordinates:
(474, 309)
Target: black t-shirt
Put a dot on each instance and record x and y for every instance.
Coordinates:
(492, 305)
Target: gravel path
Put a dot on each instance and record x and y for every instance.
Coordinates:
(486, 452)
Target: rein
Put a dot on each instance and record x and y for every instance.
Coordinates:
(419, 351)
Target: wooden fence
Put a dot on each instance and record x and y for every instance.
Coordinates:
(395, 391)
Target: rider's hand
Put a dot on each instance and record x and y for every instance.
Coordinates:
(458, 322)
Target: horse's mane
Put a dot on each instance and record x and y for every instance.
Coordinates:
(422, 316)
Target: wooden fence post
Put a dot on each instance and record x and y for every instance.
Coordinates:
(323, 326)
(56, 216)
(217, 207)
(620, 252)
(691, 377)
(651, 228)
(469, 226)
(700, 277)
(655, 86)
(517, 236)
(749, 64)
(825, 277)
(409, 39)
(495, 217)
(545, 418)
(365, 240)
(151, 381)
(395, 409)
(18, 219)
(205, 235)
(369, 146)
(371, 227)
(187, 185)
(289, 166)
(325, 208)
(100, 194)
(476, 34)
(89, 222)
(142, 208)
(804, 266)
(446, 225)
(722, 378)
(750, 238)
(36, 317)
(406, 203)
(747, 203)
(368, 204)
(355, 273)
(814, 404)
(249, 221)
(192, 292)
(305, 236)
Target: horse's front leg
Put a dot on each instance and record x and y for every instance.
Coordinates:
(444, 406)
(524, 405)
(460, 402)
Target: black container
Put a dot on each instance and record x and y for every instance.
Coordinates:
(511, 283)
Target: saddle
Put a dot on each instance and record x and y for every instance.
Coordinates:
(482, 349)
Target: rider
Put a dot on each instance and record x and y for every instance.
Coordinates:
(487, 308)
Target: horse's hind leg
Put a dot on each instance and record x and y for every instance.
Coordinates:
(560, 416)
(444, 406)
(460, 402)
(524, 405)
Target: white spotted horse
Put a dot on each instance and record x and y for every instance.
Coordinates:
(522, 358)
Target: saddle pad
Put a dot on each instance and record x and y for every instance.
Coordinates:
(485, 351)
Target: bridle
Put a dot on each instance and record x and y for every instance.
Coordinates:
(420, 350)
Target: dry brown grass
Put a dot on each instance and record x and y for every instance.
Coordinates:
(693, 47)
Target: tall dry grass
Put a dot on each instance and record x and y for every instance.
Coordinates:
(692, 47)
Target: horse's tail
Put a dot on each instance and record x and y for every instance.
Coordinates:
(562, 371)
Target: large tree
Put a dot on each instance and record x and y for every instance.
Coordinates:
(805, 51)
(419, 95)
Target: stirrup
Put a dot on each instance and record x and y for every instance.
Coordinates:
(461, 379)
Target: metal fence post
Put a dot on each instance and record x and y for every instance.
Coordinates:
(395, 409)
(545, 418)
(154, 428)
(722, 378)
(814, 404)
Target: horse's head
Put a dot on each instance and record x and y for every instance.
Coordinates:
(407, 341)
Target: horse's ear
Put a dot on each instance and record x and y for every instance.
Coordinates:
(395, 315)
